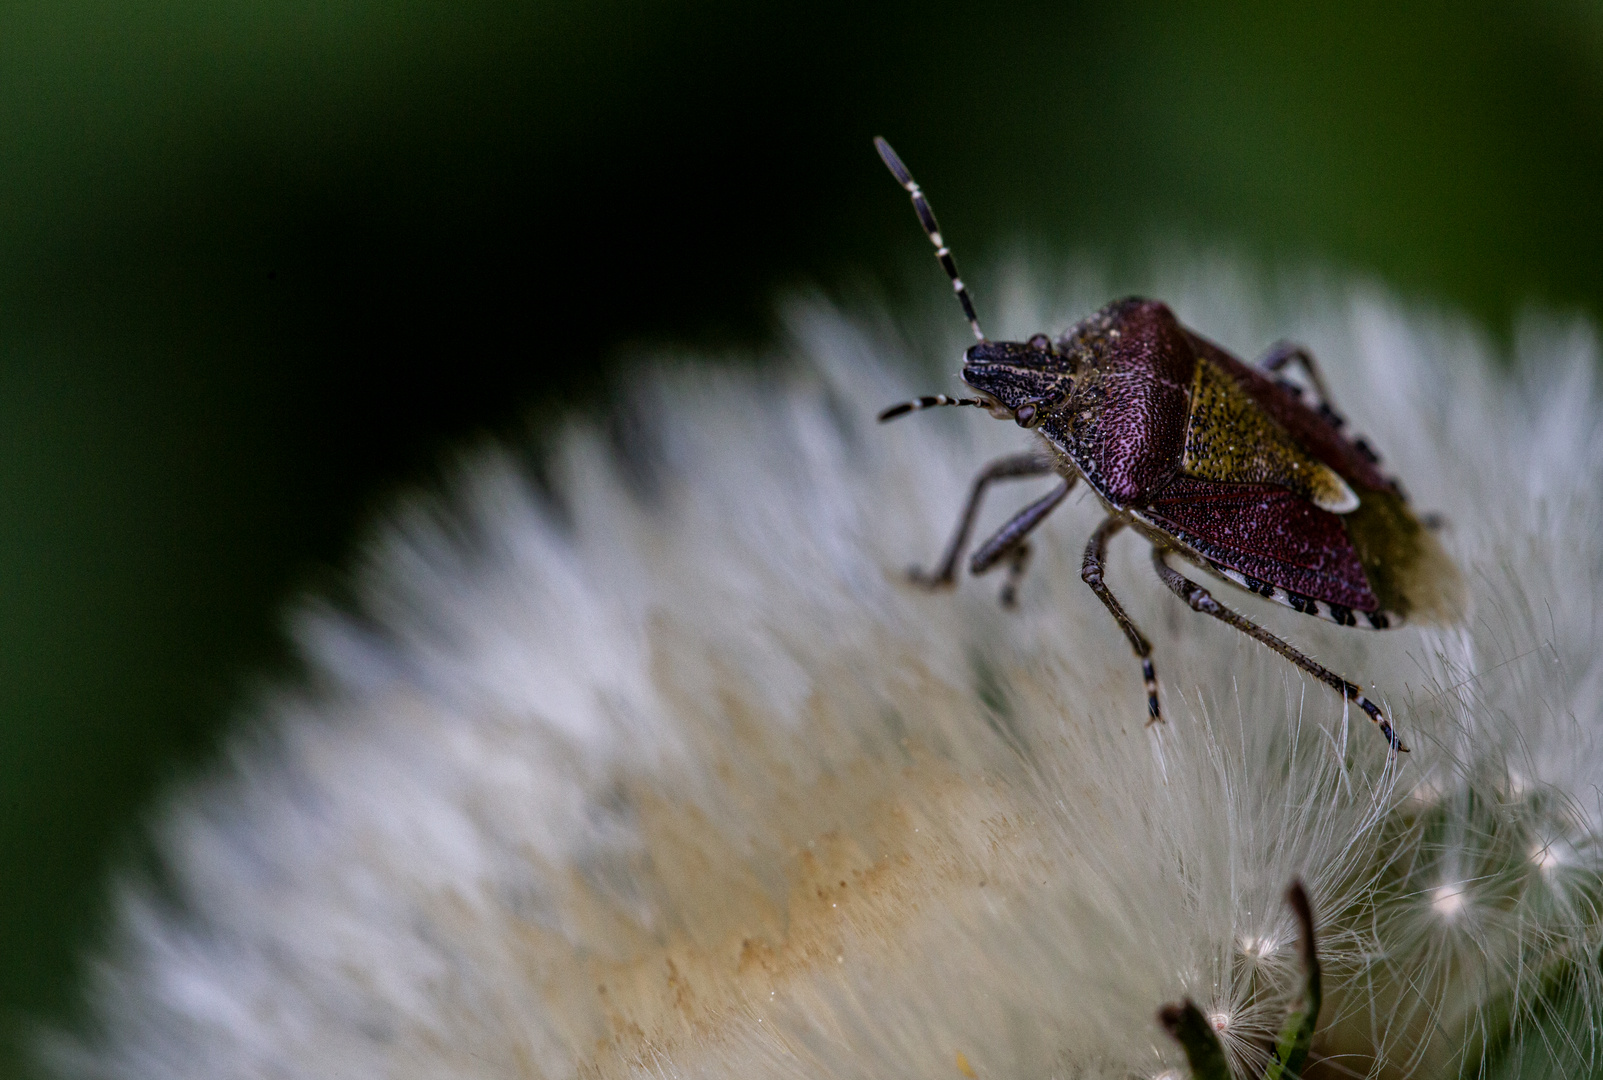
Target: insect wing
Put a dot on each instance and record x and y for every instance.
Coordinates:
(1273, 537)
(1409, 573)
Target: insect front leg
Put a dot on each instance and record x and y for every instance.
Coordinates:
(1009, 540)
(1202, 600)
(1096, 551)
(1017, 562)
(1008, 468)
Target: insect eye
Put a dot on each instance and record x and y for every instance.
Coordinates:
(1029, 413)
(1041, 343)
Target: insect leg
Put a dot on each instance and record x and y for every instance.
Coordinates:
(1285, 352)
(1201, 600)
(1017, 562)
(1009, 539)
(1096, 550)
(1016, 465)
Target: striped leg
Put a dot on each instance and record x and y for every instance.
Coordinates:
(1016, 465)
(1201, 600)
(1283, 353)
(1096, 550)
(1009, 541)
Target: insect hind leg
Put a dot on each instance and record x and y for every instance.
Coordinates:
(1201, 600)
(1015, 466)
(1284, 353)
(1091, 571)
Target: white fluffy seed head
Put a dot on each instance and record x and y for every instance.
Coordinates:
(1448, 899)
(667, 771)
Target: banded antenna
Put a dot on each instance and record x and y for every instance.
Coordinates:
(926, 218)
(933, 401)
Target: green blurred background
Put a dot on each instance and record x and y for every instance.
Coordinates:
(262, 262)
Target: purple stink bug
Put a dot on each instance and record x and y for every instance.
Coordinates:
(1241, 473)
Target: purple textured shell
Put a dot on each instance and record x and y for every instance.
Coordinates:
(1266, 533)
(1125, 424)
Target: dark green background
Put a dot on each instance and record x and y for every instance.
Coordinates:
(260, 263)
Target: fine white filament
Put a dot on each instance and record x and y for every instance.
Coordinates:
(659, 767)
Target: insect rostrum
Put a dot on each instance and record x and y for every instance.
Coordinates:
(1225, 465)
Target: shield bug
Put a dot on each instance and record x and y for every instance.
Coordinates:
(1230, 467)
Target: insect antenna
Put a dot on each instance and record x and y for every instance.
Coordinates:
(930, 402)
(926, 218)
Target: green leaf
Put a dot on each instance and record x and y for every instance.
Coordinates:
(1197, 1037)
(1291, 1048)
